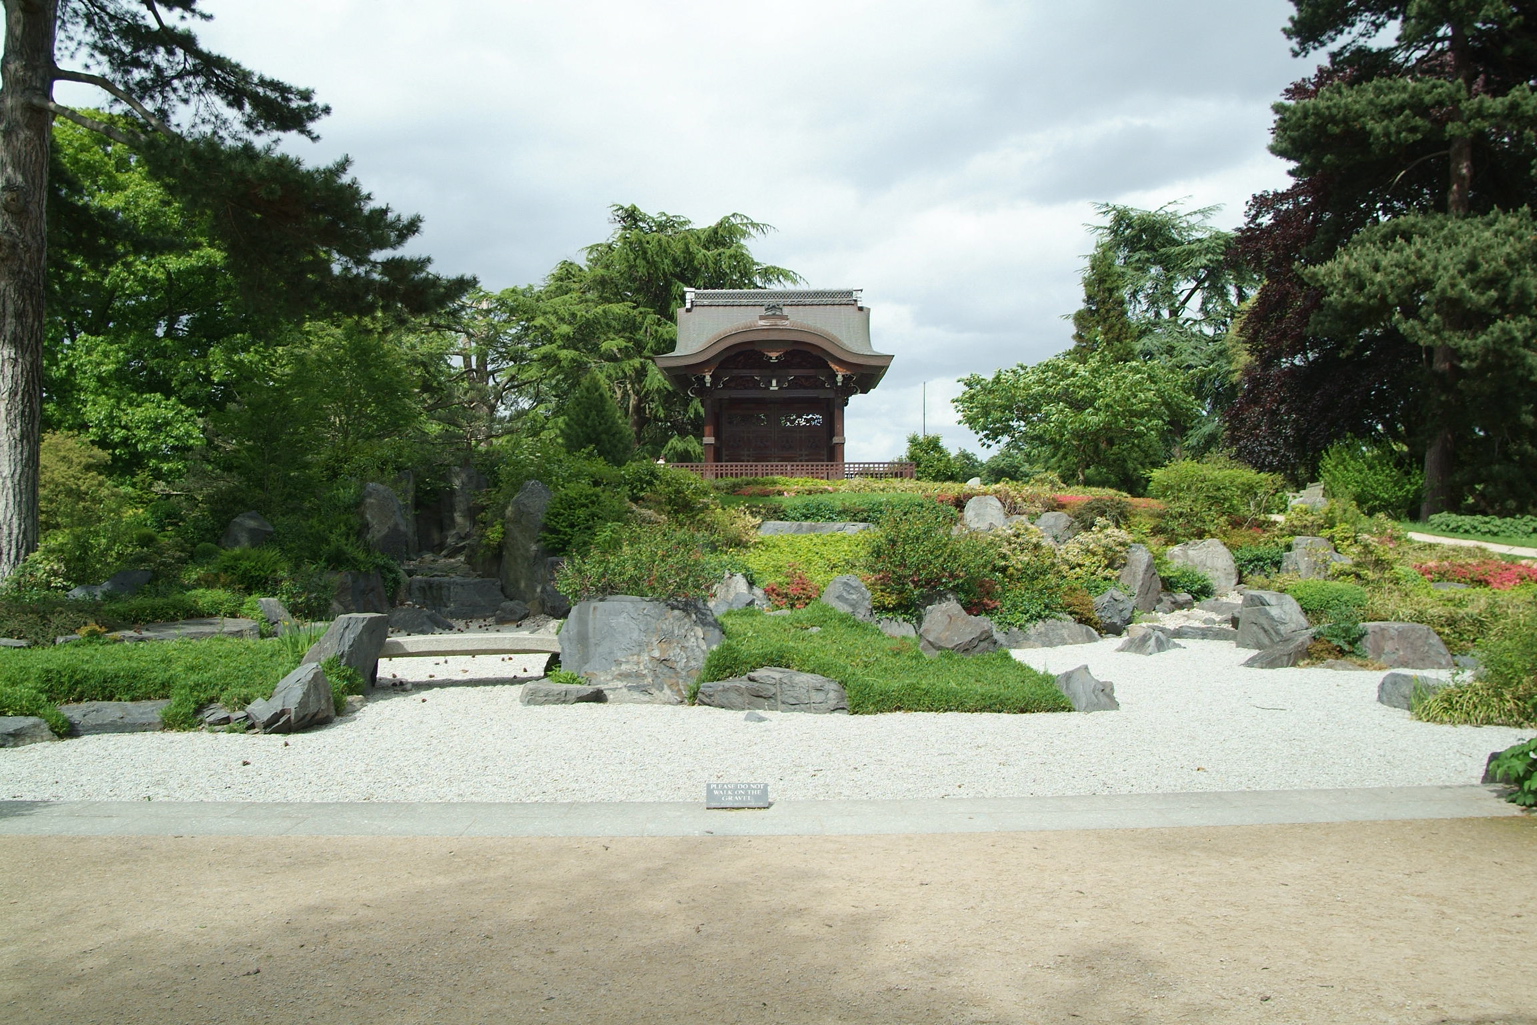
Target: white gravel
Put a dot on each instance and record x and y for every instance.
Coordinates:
(1190, 720)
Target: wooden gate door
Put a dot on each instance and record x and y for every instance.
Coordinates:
(795, 431)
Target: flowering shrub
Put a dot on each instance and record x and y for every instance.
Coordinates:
(1100, 552)
(795, 593)
(1501, 576)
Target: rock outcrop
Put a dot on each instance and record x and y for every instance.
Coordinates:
(776, 689)
(639, 650)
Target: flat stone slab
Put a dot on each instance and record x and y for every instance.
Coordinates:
(543, 692)
(92, 717)
(470, 644)
(771, 527)
(193, 630)
(1204, 633)
(21, 730)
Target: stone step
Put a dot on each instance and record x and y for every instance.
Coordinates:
(425, 645)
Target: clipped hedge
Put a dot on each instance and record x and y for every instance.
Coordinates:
(880, 674)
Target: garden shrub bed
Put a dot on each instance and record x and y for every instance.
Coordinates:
(879, 673)
(43, 621)
(192, 674)
(775, 559)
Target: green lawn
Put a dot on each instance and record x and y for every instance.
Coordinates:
(191, 673)
(1515, 540)
(880, 674)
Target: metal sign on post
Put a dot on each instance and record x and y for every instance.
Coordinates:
(736, 795)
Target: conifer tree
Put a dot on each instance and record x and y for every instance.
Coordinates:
(591, 419)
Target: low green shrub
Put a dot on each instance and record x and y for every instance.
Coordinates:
(1330, 600)
(344, 680)
(1377, 478)
(1184, 578)
(191, 673)
(840, 507)
(914, 555)
(1517, 766)
(566, 677)
(1484, 526)
(577, 512)
(1204, 499)
(1023, 606)
(880, 674)
(644, 560)
(1117, 510)
(774, 559)
(1258, 560)
(252, 570)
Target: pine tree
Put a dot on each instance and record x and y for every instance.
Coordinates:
(1397, 290)
(591, 420)
(297, 238)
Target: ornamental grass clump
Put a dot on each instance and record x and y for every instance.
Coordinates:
(1505, 691)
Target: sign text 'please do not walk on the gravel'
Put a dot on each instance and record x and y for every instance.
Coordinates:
(736, 795)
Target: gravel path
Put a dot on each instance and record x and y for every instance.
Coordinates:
(1190, 720)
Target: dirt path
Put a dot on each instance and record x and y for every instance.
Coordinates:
(1413, 922)
(1465, 542)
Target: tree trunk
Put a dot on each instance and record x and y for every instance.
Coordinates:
(1439, 455)
(26, 128)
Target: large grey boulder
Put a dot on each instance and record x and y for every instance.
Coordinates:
(457, 597)
(1115, 611)
(192, 630)
(847, 593)
(275, 614)
(733, 593)
(543, 692)
(1311, 497)
(1140, 580)
(248, 530)
(769, 528)
(1149, 642)
(357, 591)
(775, 689)
(356, 639)
(984, 512)
(892, 627)
(1086, 693)
(21, 730)
(643, 650)
(524, 566)
(947, 627)
(300, 700)
(1283, 654)
(1057, 526)
(87, 718)
(1398, 690)
(411, 619)
(1174, 601)
(1405, 646)
(1311, 558)
(384, 522)
(1266, 618)
(1210, 557)
(121, 584)
(1049, 633)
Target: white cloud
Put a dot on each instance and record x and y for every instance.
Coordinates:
(944, 157)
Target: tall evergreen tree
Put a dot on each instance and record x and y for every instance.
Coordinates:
(591, 419)
(295, 238)
(1379, 315)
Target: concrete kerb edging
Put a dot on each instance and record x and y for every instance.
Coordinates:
(787, 818)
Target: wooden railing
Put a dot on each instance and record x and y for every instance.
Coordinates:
(820, 471)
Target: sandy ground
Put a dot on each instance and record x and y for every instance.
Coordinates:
(1399, 922)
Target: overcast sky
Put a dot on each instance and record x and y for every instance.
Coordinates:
(943, 156)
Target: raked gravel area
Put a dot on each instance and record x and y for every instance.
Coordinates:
(1190, 719)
